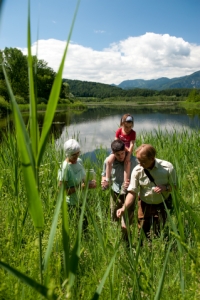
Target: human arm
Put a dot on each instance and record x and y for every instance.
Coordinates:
(105, 179)
(130, 199)
(162, 188)
(104, 182)
(169, 182)
(73, 189)
(129, 152)
(109, 162)
(130, 149)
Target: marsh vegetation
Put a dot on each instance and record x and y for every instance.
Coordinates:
(44, 253)
(167, 268)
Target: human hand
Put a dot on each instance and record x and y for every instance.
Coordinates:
(159, 189)
(126, 183)
(92, 184)
(104, 184)
(82, 185)
(120, 212)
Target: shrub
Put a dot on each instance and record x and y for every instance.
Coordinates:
(20, 99)
(41, 100)
(194, 96)
(64, 101)
(4, 106)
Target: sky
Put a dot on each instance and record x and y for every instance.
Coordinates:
(112, 40)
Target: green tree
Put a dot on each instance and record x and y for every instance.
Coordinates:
(44, 77)
(194, 96)
(17, 70)
(65, 91)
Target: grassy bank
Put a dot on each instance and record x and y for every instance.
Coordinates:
(166, 269)
(192, 108)
(137, 101)
(43, 253)
(60, 107)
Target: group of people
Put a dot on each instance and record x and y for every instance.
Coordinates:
(143, 177)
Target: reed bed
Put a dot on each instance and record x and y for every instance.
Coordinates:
(167, 268)
(44, 253)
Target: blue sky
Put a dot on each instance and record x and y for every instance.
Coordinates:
(112, 40)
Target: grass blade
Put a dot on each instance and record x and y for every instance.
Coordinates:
(75, 256)
(54, 96)
(100, 287)
(53, 227)
(1, 5)
(43, 290)
(161, 281)
(65, 234)
(27, 162)
(33, 103)
(99, 234)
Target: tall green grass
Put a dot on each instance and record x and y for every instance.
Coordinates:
(31, 146)
(44, 253)
(98, 264)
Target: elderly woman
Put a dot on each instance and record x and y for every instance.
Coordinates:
(72, 172)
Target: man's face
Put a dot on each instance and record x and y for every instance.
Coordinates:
(120, 155)
(145, 162)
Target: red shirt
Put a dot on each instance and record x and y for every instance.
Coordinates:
(126, 138)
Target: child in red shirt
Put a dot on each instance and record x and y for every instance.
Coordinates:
(127, 135)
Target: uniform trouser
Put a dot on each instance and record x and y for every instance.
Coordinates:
(151, 216)
(116, 202)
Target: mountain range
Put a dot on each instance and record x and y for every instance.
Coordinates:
(163, 83)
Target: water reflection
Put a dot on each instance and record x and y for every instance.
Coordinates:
(96, 128)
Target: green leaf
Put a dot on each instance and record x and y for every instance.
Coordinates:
(75, 255)
(161, 281)
(33, 103)
(66, 240)
(191, 213)
(100, 287)
(54, 96)
(53, 227)
(99, 234)
(27, 162)
(43, 290)
(1, 6)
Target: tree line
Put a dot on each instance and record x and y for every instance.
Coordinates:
(16, 66)
(99, 90)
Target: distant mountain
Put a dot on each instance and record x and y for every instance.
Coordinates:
(131, 88)
(189, 81)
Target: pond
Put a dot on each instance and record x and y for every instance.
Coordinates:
(96, 127)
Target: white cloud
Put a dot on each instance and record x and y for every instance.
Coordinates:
(149, 56)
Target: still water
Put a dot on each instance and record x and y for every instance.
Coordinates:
(96, 128)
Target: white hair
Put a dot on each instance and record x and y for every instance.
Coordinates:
(70, 147)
